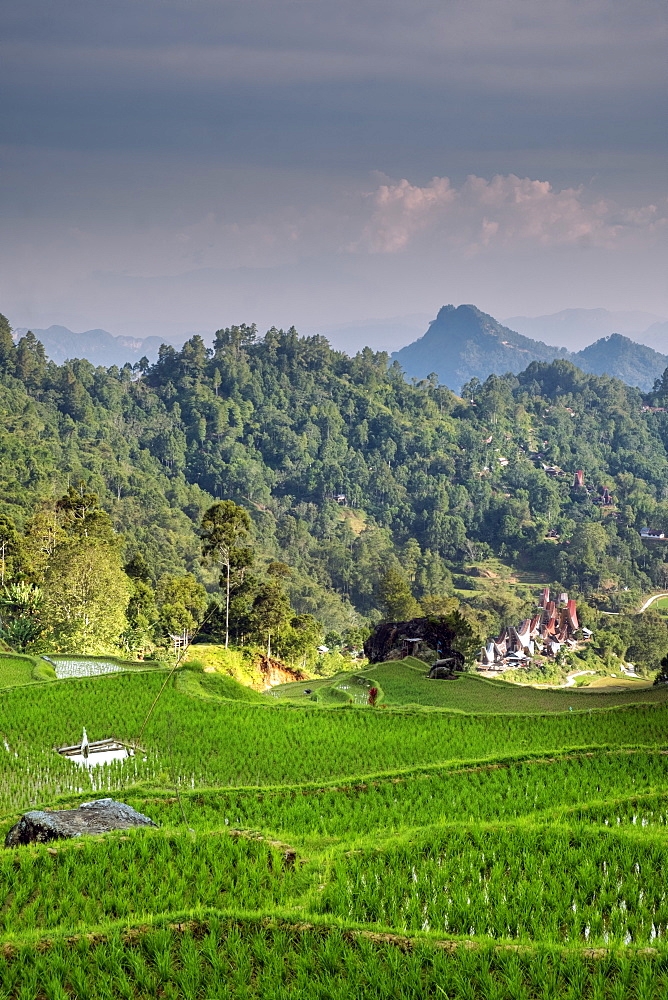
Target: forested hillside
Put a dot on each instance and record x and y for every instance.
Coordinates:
(427, 483)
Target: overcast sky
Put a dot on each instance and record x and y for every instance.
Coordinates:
(182, 165)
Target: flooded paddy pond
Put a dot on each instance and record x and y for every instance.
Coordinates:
(87, 666)
(356, 688)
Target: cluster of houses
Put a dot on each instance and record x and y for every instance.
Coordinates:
(601, 496)
(553, 628)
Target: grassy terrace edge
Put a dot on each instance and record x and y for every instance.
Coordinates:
(223, 955)
(199, 920)
(403, 685)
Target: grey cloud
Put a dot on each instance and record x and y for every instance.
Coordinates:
(362, 126)
(155, 136)
(410, 25)
(351, 86)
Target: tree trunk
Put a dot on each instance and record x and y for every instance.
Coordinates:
(227, 605)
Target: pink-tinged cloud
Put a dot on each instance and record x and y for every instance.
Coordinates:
(506, 211)
(401, 210)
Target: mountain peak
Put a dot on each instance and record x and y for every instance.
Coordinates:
(464, 343)
(465, 313)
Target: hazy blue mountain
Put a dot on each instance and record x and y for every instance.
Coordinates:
(97, 346)
(635, 364)
(575, 328)
(464, 343)
(655, 336)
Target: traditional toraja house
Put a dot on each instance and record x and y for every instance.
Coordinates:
(604, 497)
(552, 627)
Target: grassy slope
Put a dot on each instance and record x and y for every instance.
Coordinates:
(16, 669)
(405, 682)
(297, 689)
(215, 687)
(230, 662)
(223, 914)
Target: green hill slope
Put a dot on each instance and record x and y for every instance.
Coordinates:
(406, 683)
(635, 364)
(284, 425)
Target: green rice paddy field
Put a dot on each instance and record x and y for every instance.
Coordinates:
(466, 840)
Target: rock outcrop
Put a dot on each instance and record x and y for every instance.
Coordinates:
(274, 672)
(392, 639)
(100, 816)
(444, 670)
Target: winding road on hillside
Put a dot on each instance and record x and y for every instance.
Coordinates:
(570, 678)
(648, 602)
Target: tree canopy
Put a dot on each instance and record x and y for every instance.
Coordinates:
(341, 468)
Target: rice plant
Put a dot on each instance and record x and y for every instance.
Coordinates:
(239, 744)
(509, 883)
(144, 871)
(546, 830)
(271, 961)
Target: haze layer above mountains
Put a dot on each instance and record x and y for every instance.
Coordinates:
(460, 344)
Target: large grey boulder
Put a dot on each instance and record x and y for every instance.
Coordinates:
(99, 816)
(444, 670)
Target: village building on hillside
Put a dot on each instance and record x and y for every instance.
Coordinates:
(552, 628)
(601, 496)
(652, 535)
(604, 497)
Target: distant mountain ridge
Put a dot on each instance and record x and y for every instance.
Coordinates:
(460, 344)
(464, 343)
(97, 346)
(635, 364)
(577, 328)
(655, 336)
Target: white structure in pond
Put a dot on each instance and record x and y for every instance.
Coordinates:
(89, 754)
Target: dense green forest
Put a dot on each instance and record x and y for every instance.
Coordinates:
(365, 493)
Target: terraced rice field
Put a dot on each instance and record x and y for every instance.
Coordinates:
(313, 849)
(405, 683)
(89, 666)
(15, 669)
